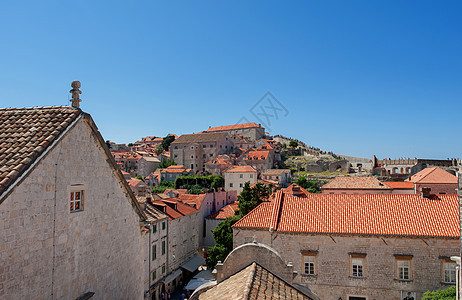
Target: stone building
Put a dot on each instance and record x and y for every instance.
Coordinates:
(173, 172)
(252, 131)
(212, 221)
(69, 224)
(194, 150)
(377, 246)
(435, 181)
(237, 176)
(281, 177)
(410, 166)
(182, 243)
(147, 165)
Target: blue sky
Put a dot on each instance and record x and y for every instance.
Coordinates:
(356, 77)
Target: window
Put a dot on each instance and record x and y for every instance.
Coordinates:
(241, 175)
(176, 147)
(240, 184)
(211, 146)
(357, 266)
(163, 225)
(76, 201)
(154, 275)
(309, 264)
(251, 175)
(403, 268)
(192, 148)
(154, 252)
(176, 155)
(449, 272)
(211, 154)
(163, 247)
(203, 146)
(192, 156)
(230, 185)
(163, 269)
(154, 228)
(203, 155)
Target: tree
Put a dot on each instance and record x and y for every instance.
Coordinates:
(446, 294)
(196, 189)
(140, 177)
(223, 235)
(293, 144)
(108, 144)
(130, 144)
(166, 141)
(284, 146)
(158, 150)
(309, 185)
(252, 197)
(166, 163)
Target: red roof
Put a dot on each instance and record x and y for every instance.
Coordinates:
(167, 206)
(241, 169)
(233, 127)
(257, 155)
(192, 200)
(361, 214)
(433, 175)
(175, 169)
(399, 184)
(133, 182)
(225, 212)
(355, 183)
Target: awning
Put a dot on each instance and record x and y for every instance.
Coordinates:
(172, 276)
(194, 283)
(193, 263)
(205, 274)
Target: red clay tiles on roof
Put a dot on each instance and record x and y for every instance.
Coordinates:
(257, 155)
(355, 183)
(233, 127)
(225, 212)
(173, 208)
(399, 184)
(241, 169)
(358, 214)
(25, 133)
(433, 175)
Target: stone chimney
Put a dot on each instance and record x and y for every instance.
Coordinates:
(75, 93)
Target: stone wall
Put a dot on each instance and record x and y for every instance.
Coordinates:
(47, 252)
(333, 271)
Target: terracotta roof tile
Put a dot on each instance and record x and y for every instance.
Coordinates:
(355, 183)
(25, 133)
(399, 184)
(173, 208)
(241, 169)
(370, 214)
(200, 138)
(433, 175)
(257, 155)
(225, 211)
(233, 127)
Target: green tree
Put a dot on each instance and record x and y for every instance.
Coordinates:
(140, 177)
(223, 235)
(309, 185)
(166, 141)
(166, 163)
(293, 144)
(284, 146)
(158, 150)
(196, 189)
(446, 294)
(252, 197)
(130, 144)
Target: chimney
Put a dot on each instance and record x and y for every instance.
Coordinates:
(75, 93)
(296, 190)
(426, 192)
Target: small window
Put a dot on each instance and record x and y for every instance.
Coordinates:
(230, 185)
(176, 147)
(176, 156)
(203, 155)
(203, 146)
(192, 148)
(251, 175)
(163, 247)
(154, 275)
(211, 146)
(163, 269)
(309, 264)
(154, 228)
(240, 184)
(357, 266)
(192, 156)
(403, 269)
(241, 175)
(163, 225)
(449, 272)
(154, 252)
(76, 201)
(211, 154)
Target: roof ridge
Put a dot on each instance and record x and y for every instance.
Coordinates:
(276, 210)
(432, 170)
(250, 281)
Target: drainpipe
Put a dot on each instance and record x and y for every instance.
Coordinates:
(149, 259)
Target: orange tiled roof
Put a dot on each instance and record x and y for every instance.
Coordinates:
(361, 214)
(25, 133)
(167, 207)
(225, 211)
(195, 200)
(399, 184)
(433, 175)
(241, 169)
(257, 155)
(133, 182)
(233, 127)
(355, 183)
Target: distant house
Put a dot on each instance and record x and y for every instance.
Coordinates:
(153, 179)
(237, 176)
(355, 185)
(435, 180)
(281, 177)
(138, 186)
(173, 172)
(252, 131)
(194, 150)
(70, 227)
(147, 165)
(360, 246)
(219, 164)
(212, 221)
(259, 159)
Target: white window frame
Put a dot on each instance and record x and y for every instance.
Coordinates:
(309, 264)
(403, 266)
(73, 191)
(357, 267)
(449, 272)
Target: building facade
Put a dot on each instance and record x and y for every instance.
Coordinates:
(237, 176)
(252, 131)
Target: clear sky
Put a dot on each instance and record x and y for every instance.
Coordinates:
(353, 77)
